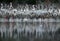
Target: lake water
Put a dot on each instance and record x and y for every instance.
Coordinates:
(42, 30)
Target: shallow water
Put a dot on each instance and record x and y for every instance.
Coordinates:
(45, 30)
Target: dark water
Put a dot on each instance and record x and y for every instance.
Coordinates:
(30, 31)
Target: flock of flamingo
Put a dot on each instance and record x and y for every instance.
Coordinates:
(25, 13)
(29, 10)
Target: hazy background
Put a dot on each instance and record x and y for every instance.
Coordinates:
(28, 1)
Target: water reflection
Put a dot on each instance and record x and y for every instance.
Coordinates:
(29, 31)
